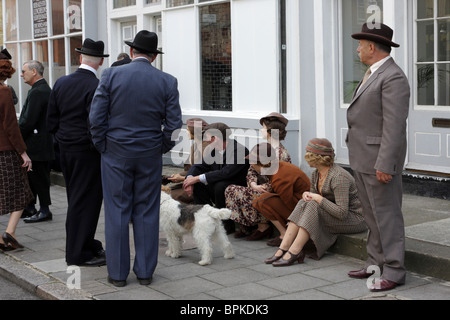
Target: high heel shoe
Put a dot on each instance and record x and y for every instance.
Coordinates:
(11, 242)
(275, 257)
(294, 257)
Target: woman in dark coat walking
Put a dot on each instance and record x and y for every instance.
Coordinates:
(15, 192)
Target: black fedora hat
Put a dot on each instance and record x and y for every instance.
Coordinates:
(92, 48)
(382, 34)
(146, 42)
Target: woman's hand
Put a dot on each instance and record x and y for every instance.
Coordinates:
(309, 196)
(26, 162)
(258, 188)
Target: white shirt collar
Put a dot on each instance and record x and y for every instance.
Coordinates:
(86, 67)
(378, 64)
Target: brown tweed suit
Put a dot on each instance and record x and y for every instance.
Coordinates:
(339, 212)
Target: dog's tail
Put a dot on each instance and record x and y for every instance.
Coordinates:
(221, 214)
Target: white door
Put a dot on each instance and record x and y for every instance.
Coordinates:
(429, 120)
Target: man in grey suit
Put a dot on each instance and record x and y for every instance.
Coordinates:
(133, 114)
(377, 145)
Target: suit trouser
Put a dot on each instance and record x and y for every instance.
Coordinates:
(39, 180)
(132, 191)
(81, 170)
(382, 209)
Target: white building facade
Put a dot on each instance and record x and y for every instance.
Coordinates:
(239, 60)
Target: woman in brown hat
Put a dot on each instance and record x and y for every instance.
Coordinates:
(331, 207)
(15, 192)
(239, 199)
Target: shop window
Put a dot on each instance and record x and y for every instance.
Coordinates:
(152, 1)
(177, 3)
(123, 3)
(42, 56)
(433, 52)
(354, 14)
(215, 28)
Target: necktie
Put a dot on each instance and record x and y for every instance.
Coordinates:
(366, 76)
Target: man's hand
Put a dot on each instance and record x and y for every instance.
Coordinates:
(383, 177)
(188, 184)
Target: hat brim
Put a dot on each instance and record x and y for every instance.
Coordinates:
(143, 50)
(375, 38)
(92, 54)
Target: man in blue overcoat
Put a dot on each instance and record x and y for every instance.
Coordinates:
(134, 112)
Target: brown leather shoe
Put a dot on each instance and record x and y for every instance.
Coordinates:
(258, 235)
(294, 257)
(359, 274)
(383, 285)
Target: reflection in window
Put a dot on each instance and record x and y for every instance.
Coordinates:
(177, 3)
(153, 1)
(75, 16)
(42, 56)
(75, 42)
(59, 60)
(354, 14)
(11, 20)
(124, 3)
(215, 28)
(433, 53)
(58, 17)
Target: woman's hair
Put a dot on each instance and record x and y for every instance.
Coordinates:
(273, 123)
(314, 158)
(6, 69)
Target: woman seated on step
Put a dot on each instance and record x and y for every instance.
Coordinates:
(330, 208)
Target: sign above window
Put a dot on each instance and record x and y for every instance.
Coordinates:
(40, 25)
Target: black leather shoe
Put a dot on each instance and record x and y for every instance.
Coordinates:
(117, 283)
(145, 281)
(94, 262)
(39, 217)
(27, 213)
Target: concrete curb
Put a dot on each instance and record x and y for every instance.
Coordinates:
(35, 281)
(421, 257)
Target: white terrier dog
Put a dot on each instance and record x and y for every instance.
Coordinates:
(203, 221)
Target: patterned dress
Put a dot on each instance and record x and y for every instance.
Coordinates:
(339, 212)
(239, 199)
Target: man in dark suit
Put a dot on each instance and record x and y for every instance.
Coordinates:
(224, 163)
(33, 127)
(377, 145)
(67, 118)
(134, 112)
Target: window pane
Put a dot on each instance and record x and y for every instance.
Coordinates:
(42, 56)
(27, 55)
(425, 41)
(176, 3)
(75, 16)
(425, 9)
(444, 84)
(26, 20)
(40, 19)
(124, 3)
(425, 84)
(215, 28)
(152, 1)
(11, 20)
(354, 15)
(59, 60)
(58, 17)
(444, 40)
(444, 8)
(75, 42)
(14, 81)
